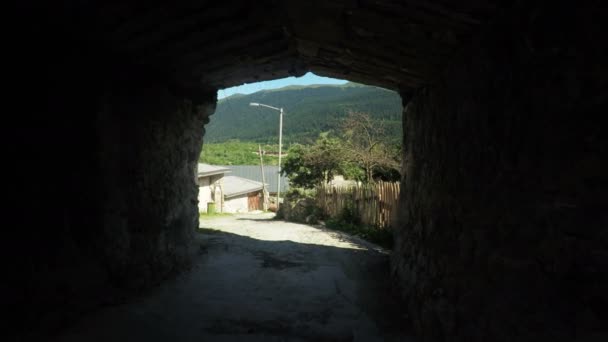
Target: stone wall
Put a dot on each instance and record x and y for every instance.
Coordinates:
(504, 227)
(116, 147)
(150, 141)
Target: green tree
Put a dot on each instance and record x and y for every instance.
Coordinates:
(362, 152)
(308, 166)
(365, 144)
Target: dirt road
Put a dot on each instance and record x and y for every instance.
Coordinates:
(256, 279)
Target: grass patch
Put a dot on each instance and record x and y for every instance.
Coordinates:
(381, 237)
(214, 215)
(235, 152)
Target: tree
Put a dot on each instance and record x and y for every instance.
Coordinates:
(308, 166)
(300, 174)
(361, 152)
(365, 145)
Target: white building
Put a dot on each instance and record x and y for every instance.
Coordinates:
(242, 195)
(210, 186)
(229, 194)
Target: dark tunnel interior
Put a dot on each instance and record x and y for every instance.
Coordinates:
(503, 226)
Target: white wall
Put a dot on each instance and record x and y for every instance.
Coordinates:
(204, 194)
(206, 185)
(236, 204)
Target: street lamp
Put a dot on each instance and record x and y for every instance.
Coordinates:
(255, 104)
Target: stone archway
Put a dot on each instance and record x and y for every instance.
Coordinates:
(504, 150)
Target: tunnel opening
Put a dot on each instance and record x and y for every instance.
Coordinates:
(502, 212)
(321, 121)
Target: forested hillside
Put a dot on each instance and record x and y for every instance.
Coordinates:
(309, 110)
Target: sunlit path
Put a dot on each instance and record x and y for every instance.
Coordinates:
(256, 279)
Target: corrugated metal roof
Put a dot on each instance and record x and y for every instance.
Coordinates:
(209, 170)
(253, 172)
(234, 186)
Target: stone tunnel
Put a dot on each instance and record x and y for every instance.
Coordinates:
(503, 228)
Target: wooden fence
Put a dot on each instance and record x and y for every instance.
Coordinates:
(374, 204)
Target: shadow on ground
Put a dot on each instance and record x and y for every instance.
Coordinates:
(256, 219)
(248, 289)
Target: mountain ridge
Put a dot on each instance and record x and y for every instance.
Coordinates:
(308, 111)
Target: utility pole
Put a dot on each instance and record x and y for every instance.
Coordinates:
(280, 110)
(264, 192)
(280, 146)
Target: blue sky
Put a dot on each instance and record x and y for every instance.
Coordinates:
(249, 88)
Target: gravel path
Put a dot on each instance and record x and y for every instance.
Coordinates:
(257, 279)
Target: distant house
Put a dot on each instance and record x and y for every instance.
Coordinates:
(210, 187)
(242, 195)
(230, 194)
(339, 181)
(253, 172)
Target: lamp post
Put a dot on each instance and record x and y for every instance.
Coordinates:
(255, 104)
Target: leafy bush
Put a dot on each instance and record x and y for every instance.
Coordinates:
(299, 206)
(349, 215)
(349, 222)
